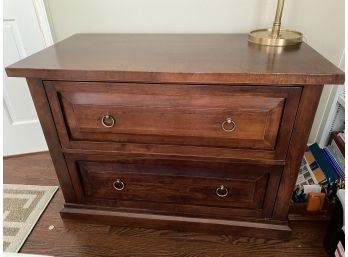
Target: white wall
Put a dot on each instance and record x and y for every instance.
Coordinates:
(158, 16)
(321, 21)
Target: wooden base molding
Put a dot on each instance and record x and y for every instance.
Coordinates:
(179, 223)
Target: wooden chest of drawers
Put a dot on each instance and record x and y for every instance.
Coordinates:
(186, 132)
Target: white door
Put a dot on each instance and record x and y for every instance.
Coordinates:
(26, 31)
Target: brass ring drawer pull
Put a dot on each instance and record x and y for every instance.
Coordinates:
(108, 118)
(221, 191)
(228, 125)
(118, 185)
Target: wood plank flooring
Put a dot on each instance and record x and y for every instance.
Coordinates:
(70, 239)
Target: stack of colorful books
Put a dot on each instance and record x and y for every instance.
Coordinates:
(323, 166)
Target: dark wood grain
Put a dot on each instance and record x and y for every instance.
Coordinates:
(188, 185)
(76, 239)
(298, 211)
(212, 58)
(169, 95)
(142, 183)
(158, 181)
(154, 115)
(38, 93)
(144, 114)
(300, 134)
(177, 223)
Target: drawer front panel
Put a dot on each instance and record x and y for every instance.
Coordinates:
(235, 117)
(100, 183)
(184, 183)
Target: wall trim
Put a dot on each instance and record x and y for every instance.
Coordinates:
(42, 17)
(25, 154)
(328, 117)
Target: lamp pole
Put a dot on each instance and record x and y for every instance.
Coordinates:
(278, 19)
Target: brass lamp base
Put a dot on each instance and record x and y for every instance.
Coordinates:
(264, 37)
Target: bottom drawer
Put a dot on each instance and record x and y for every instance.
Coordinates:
(227, 185)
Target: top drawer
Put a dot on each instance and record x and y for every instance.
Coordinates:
(221, 116)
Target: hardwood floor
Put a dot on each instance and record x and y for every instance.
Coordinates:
(80, 239)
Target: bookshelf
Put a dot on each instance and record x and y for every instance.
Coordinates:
(336, 109)
(341, 100)
(335, 120)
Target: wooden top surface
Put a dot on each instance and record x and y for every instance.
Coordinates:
(195, 58)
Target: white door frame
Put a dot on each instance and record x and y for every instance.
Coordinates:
(44, 31)
(41, 13)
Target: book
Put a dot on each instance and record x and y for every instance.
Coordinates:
(337, 154)
(337, 139)
(341, 136)
(333, 162)
(337, 162)
(339, 250)
(319, 156)
(313, 168)
(305, 175)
